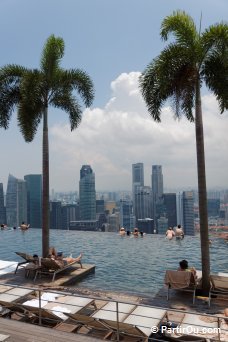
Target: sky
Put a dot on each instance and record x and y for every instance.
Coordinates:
(113, 41)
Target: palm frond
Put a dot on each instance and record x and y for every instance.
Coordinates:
(215, 38)
(31, 105)
(52, 54)
(182, 26)
(80, 81)
(215, 73)
(69, 104)
(169, 77)
(10, 78)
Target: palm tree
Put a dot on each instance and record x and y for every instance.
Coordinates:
(32, 92)
(178, 73)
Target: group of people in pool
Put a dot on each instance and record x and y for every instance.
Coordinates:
(135, 232)
(178, 233)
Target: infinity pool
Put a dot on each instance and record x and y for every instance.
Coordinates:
(123, 264)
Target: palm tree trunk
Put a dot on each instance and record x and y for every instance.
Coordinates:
(202, 189)
(45, 200)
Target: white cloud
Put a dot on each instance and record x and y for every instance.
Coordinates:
(110, 139)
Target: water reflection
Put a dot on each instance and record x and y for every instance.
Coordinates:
(122, 263)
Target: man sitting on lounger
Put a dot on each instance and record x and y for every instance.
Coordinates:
(60, 259)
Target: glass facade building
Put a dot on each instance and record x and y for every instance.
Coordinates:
(34, 200)
(87, 193)
(16, 201)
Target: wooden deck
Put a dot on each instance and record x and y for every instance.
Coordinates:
(69, 277)
(24, 332)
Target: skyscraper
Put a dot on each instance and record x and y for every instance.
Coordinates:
(126, 214)
(87, 193)
(188, 213)
(137, 180)
(157, 182)
(2, 206)
(170, 206)
(16, 201)
(157, 189)
(137, 176)
(143, 203)
(34, 199)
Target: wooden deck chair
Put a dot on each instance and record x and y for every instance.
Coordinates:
(143, 318)
(181, 280)
(13, 296)
(27, 258)
(90, 323)
(219, 286)
(44, 315)
(200, 326)
(49, 266)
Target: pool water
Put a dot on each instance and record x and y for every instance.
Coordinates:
(123, 264)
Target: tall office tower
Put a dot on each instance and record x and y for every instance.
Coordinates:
(157, 189)
(100, 206)
(87, 193)
(22, 201)
(143, 203)
(179, 208)
(188, 212)
(213, 207)
(55, 215)
(2, 206)
(170, 205)
(137, 180)
(16, 201)
(126, 214)
(34, 200)
(70, 212)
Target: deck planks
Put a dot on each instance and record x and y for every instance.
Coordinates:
(25, 332)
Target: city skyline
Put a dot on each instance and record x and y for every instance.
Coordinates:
(117, 131)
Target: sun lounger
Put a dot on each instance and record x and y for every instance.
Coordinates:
(134, 321)
(89, 322)
(27, 258)
(49, 266)
(38, 311)
(201, 326)
(219, 286)
(144, 318)
(13, 295)
(180, 280)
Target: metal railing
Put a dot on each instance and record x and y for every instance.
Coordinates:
(117, 326)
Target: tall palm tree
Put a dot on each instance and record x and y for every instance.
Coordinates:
(32, 92)
(178, 73)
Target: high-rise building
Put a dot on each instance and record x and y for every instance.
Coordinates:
(213, 207)
(188, 212)
(170, 206)
(87, 193)
(2, 206)
(137, 180)
(34, 200)
(55, 215)
(157, 182)
(70, 212)
(126, 214)
(157, 189)
(16, 201)
(143, 203)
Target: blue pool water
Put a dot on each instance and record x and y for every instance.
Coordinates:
(123, 264)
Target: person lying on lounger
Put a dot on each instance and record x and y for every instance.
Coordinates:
(60, 259)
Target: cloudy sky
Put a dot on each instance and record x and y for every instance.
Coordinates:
(113, 40)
